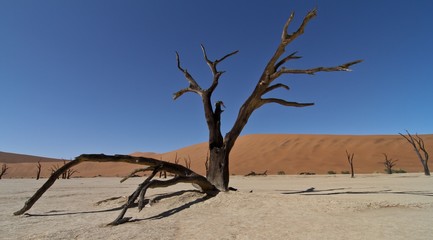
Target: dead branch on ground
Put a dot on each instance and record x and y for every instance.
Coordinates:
(182, 175)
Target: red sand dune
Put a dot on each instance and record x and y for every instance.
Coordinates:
(259, 152)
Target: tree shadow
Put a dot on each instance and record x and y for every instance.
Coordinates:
(175, 210)
(148, 201)
(57, 212)
(417, 193)
(310, 190)
(336, 191)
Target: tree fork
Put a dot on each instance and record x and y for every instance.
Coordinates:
(218, 167)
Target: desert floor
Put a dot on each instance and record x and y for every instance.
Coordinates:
(371, 206)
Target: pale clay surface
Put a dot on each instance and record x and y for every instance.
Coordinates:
(372, 206)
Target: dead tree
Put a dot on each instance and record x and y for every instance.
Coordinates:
(70, 172)
(350, 160)
(219, 146)
(217, 174)
(187, 162)
(389, 164)
(162, 174)
(66, 174)
(55, 168)
(4, 170)
(38, 171)
(418, 146)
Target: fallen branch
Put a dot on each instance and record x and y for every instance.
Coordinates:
(183, 175)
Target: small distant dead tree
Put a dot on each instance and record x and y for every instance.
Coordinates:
(162, 174)
(389, 164)
(176, 159)
(66, 174)
(350, 160)
(70, 172)
(418, 146)
(4, 170)
(54, 169)
(187, 162)
(38, 171)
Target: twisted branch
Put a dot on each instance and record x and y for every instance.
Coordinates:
(176, 169)
(284, 102)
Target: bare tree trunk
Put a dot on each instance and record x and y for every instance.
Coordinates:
(426, 169)
(38, 172)
(350, 160)
(218, 170)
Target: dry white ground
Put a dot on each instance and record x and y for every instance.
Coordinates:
(373, 206)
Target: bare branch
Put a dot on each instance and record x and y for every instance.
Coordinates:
(213, 66)
(226, 56)
(284, 60)
(421, 146)
(193, 85)
(284, 102)
(286, 26)
(286, 39)
(312, 71)
(185, 90)
(136, 171)
(143, 186)
(273, 87)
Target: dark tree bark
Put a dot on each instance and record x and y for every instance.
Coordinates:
(418, 146)
(350, 160)
(219, 147)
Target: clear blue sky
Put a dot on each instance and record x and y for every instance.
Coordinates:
(98, 76)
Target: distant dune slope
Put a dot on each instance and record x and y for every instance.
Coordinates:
(259, 152)
(309, 153)
(6, 157)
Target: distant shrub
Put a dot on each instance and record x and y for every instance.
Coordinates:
(331, 172)
(307, 173)
(399, 171)
(345, 172)
(281, 173)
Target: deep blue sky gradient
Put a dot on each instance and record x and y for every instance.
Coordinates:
(98, 76)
